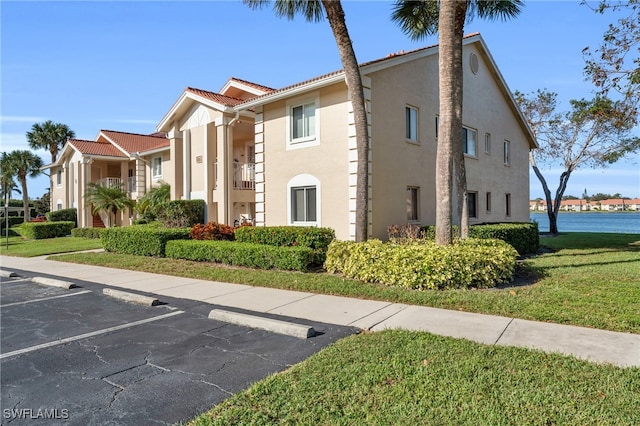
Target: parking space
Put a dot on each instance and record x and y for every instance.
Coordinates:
(79, 357)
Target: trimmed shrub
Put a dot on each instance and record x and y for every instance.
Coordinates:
(87, 232)
(41, 230)
(213, 231)
(523, 236)
(181, 213)
(69, 215)
(13, 221)
(424, 265)
(317, 239)
(258, 256)
(140, 240)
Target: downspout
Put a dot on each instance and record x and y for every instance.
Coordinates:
(229, 177)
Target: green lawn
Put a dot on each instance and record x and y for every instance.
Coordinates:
(591, 280)
(413, 378)
(401, 377)
(19, 246)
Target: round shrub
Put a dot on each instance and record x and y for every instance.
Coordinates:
(424, 265)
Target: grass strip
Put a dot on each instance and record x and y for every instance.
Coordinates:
(401, 377)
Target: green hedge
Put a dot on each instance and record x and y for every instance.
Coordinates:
(181, 213)
(317, 239)
(69, 215)
(258, 256)
(523, 236)
(13, 221)
(41, 230)
(140, 240)
(423, 265)
(87, 232)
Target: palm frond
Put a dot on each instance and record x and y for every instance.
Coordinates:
(417, 19)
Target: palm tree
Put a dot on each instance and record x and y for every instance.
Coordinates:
(147, 206)
(419, 19)
(312, 10)
(109, 199)
(23, 164)
(50, 136)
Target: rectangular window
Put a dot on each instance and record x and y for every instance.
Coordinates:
(413, 194)
(303, 204)
(507, 200)
(156, 167)
(411, 123)
(487, 143)
(507, 153)
(303, 121)
(437, 126)
(488, 202)
(469, 137)
(472, 204)
(59, 206)
(59, 178)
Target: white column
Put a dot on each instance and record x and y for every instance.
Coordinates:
(186, 165)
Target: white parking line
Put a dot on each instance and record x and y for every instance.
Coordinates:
(19, 280)
(45, 298)
(87, 335)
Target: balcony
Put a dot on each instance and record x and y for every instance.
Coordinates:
(244, 176)
(118, 182)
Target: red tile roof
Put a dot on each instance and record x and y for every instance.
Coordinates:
(133, 142)
(96, 148)
(216, 97)
(255, 85)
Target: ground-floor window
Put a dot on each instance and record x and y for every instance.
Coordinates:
(304, 200)
(303, 204)
(413, 197)
(472, 204)
(507, 200)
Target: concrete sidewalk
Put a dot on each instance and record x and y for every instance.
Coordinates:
(621, 349)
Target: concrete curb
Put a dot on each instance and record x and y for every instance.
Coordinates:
(131, 297)
(55, 283)
(7, 274)
(273, 325)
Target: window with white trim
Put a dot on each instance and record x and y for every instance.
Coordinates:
(507, 153)
(303, 122)
(59, 177)
(411, 123)
(413, 198)
(487, 143)
(304, 204)
(303, 197)
(469, 141)
(156, 167)
(59, 205)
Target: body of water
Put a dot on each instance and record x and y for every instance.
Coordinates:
(611, 222)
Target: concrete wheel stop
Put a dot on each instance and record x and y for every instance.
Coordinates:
(269, 324)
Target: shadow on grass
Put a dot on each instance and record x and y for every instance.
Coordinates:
(525, 275)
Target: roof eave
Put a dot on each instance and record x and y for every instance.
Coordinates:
(286, 93)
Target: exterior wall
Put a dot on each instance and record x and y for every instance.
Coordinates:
(327, 162)
(398, 163)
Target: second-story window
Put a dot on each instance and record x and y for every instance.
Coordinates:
(303, 121)
(411, 123)
(156, 167)
(469, 141)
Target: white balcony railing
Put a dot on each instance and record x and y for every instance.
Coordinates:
(244, 176)
(109, 182)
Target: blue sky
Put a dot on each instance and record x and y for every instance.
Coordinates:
(120, 65)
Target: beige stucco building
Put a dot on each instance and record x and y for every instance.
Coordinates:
(288, 156)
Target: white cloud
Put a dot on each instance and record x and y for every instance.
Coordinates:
(14, 141)
(19, 119)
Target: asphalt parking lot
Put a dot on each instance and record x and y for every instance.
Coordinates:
(80, 357)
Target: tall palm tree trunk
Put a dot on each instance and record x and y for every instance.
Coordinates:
(335, 16)
(25, 196)
(449, 149)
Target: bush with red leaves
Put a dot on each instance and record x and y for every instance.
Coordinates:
(213, 231)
